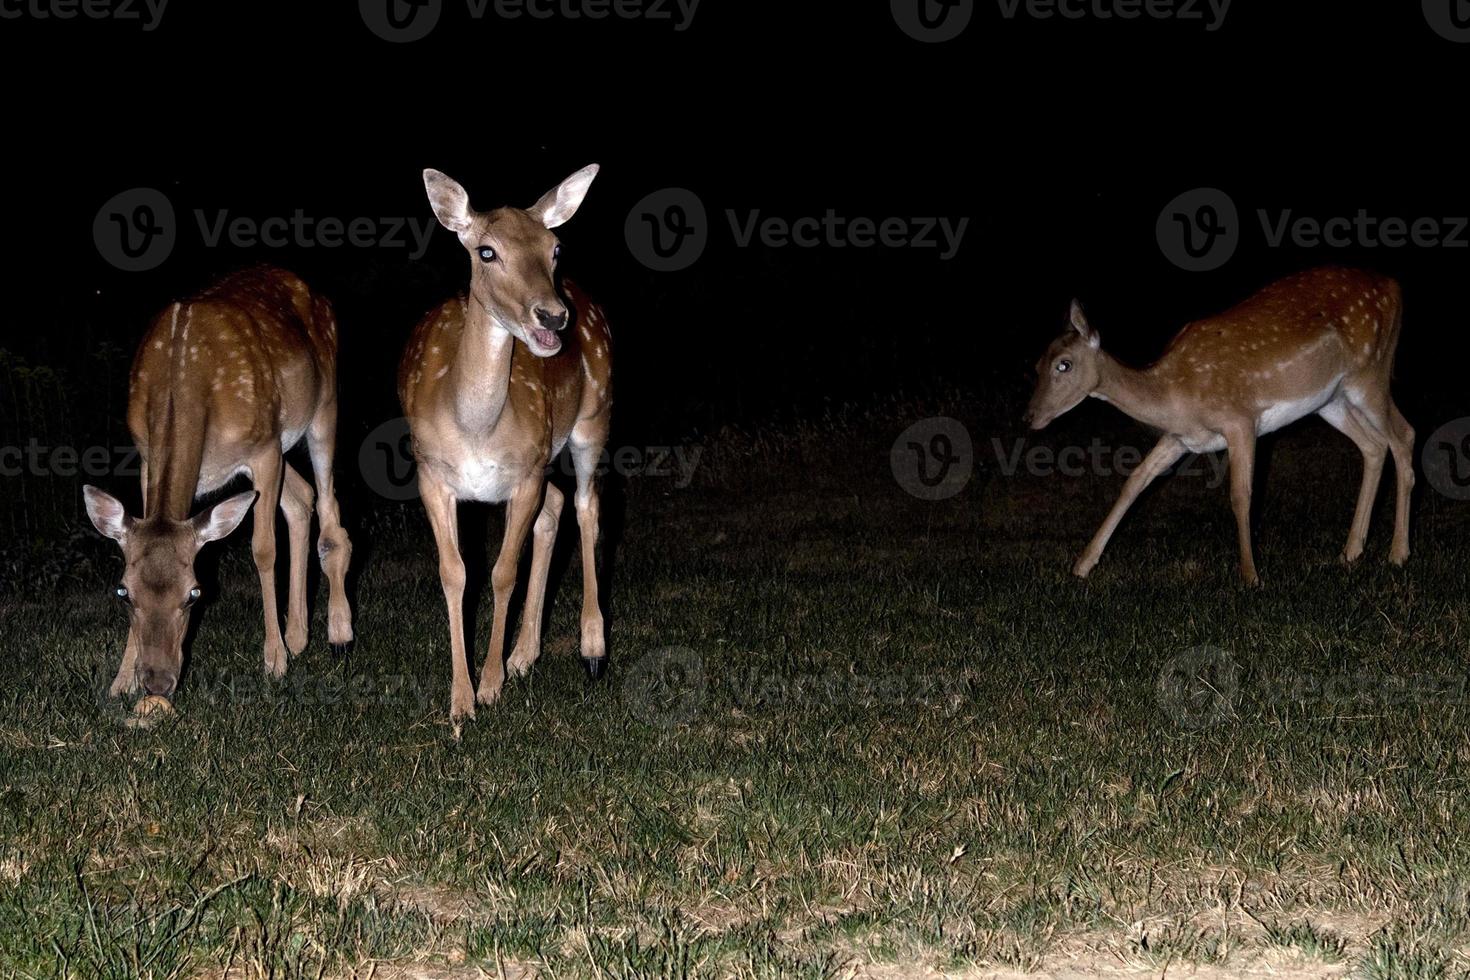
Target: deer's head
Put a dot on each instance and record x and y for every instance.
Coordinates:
(513, 255)
(1067, 373)
(158, 585)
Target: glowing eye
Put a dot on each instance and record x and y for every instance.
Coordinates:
(194, 593)
(487, 254)
(1063, 366)
(556, 253)
(121, 592)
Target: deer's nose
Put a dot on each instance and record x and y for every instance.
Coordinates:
(156, 681)
(550, 320)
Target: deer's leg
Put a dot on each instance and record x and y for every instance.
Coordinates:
(543, 539)
(333, 546)
(266, 474)
(519, 511)
(1401, 441)
(594, 643)
(1164, 454)
(1241, 444)
(126, 681)
(440, 504)
(296, 499)
(1374, 449)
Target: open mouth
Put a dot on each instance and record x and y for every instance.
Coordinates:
(545, 341)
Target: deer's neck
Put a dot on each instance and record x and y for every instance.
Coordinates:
(481, 371)
(1137, 393)
(178, 418)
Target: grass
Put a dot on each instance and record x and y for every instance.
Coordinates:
(846, 732)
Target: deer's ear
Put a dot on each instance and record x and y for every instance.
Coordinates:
(223, 517)
(107, 513)
(450, 202)
(557, 205)
(1080, 324)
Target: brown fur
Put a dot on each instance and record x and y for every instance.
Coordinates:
(219, 383)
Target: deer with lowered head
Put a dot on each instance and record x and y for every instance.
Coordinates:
(1320, 341)
(495, 383)
(222, 385)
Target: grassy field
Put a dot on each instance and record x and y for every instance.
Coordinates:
(846, 732)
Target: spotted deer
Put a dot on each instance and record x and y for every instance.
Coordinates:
(1319, 341)
(222, 385)
(495, 383)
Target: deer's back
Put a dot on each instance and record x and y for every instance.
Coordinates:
(251, 357)
(1349, 313)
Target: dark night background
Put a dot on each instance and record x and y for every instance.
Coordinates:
(1060, 140)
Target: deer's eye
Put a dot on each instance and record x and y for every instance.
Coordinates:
(486, 253)
(194, 595)
(121, 592)
(556, 253)
(1063, 366)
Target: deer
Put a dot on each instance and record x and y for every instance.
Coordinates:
(495, 383)
(223, 384)
(1320, 341)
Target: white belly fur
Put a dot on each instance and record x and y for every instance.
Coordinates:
(1276, 415)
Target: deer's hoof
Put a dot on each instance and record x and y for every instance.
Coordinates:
(596, 667)
(341, 649)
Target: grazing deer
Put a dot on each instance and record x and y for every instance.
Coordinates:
(1320, 341)
(494, 384)
(223, 384)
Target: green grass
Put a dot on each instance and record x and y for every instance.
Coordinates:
(845, 730)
